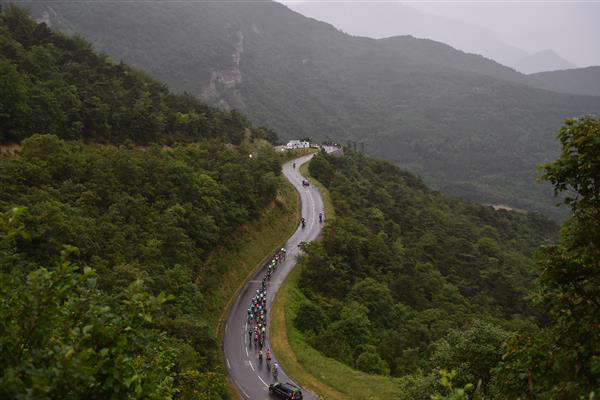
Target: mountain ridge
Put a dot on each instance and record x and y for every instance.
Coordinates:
(582, 81)
(472, 127)
(395, 19)
(382, 20)
(543, 60)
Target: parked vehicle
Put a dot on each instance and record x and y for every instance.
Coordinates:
(287, 391)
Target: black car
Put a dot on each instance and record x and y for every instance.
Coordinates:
(286, 390)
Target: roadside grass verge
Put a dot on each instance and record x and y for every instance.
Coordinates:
(251, 245)
(327, 377)
(292, 352)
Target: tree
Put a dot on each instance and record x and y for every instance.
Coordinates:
(576, 174)
(377, 298)
(14, 106)
(320, 168)
(472, 353)
(352, 330)
(60, 339)
(266, 133)
(370, 362)
(563, 361)
(310, 317)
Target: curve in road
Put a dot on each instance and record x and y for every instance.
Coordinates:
(251, 377)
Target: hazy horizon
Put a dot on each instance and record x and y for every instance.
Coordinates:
(568, 28)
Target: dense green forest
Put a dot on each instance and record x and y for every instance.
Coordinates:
(55, 84)
(139, 225)
(107, 289)
(470, 127)
(408, 283)
(402, 266)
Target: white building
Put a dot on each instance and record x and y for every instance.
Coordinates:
(297, 144)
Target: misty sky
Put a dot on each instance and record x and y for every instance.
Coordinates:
(570, 28)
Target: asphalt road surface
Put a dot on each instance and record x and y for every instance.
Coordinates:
(251, 376)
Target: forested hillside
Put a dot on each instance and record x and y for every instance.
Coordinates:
(468, 125)
(457, 300)
(406, 279)
(54, 84)
(131, 215)
(585, 81)
(110, 282)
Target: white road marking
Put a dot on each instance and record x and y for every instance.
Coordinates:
(261, 379)
(310, 204)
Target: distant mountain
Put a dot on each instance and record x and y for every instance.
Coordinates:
(585, 81)
(381, 20)
(545, 60)
(474, 128)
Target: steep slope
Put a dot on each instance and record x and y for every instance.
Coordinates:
(53, 84)
(466, 123)
(407, 270)
(583, 81)
(116, 260)
(545, 60)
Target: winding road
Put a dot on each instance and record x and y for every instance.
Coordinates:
(250, 376)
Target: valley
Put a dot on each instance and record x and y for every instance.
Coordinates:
(157, 240)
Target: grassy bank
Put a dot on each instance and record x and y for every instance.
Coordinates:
(251, 245)
(325, 376)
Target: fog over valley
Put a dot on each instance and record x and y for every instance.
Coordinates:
(509, 32)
